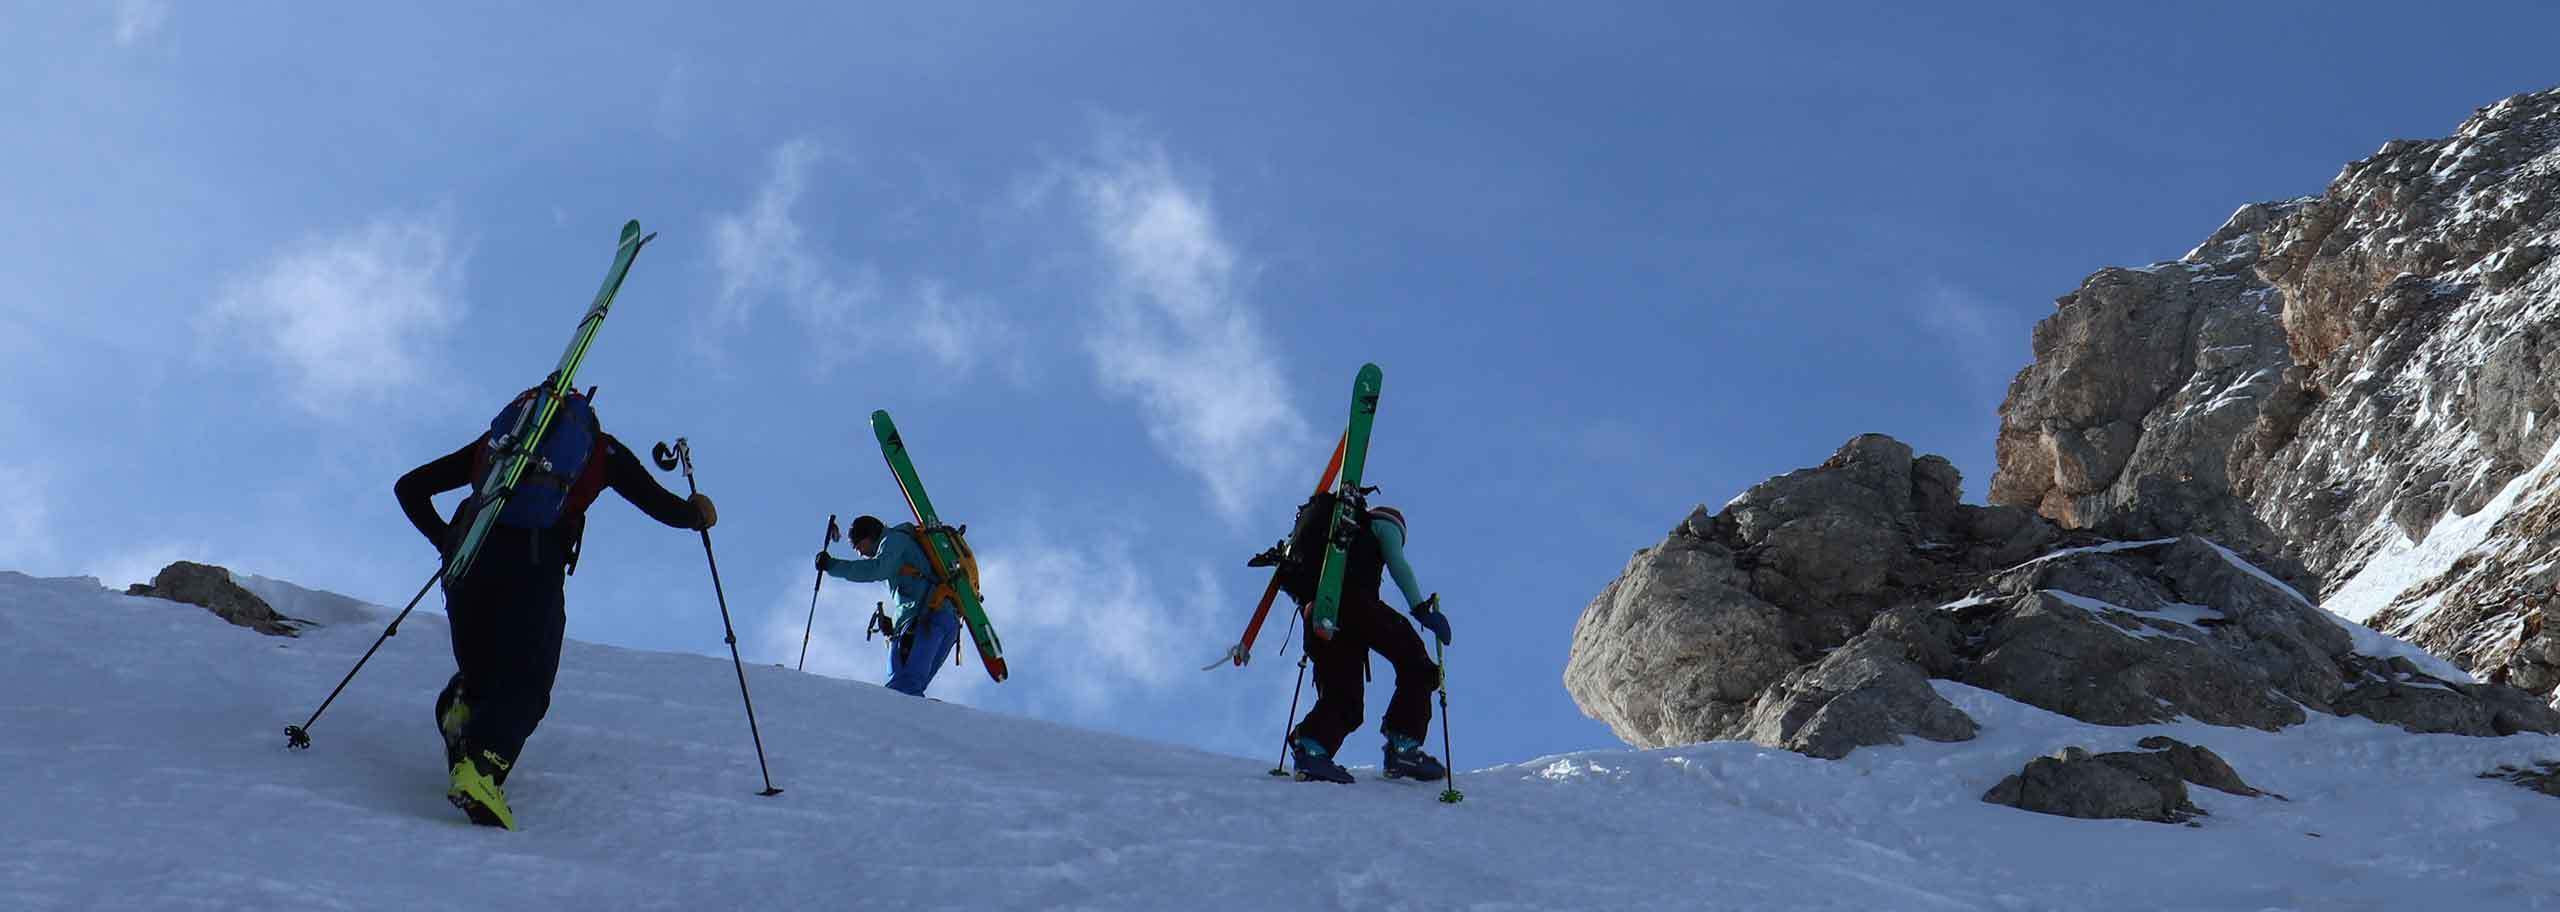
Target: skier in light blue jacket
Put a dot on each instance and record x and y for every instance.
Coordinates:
(921, 635)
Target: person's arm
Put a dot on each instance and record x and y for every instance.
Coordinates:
(627, 477)
(1391, 543)
(417, 491)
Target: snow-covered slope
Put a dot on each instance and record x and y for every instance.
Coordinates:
(144, 745)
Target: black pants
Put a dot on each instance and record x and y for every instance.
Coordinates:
(507, 623)
(1341, 674)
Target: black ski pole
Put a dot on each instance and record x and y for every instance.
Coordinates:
(812, 623)
(1279, 767)
(1449, 795)
(669, 459)
(298, 737)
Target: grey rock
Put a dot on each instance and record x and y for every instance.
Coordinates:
(1676, 648)
(2129, 785)
(211, 588)
(1866, 693)
(2120, 786)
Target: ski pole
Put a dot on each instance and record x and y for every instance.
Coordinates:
(1449, 795)
(298, 737)
(1277, 765)
(669, 459)
(812, 623)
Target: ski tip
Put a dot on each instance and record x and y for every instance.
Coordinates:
(879, 416)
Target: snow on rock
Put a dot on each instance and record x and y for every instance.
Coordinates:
(2346, 387)
(638, 793)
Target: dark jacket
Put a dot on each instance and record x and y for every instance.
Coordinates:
(543, 548)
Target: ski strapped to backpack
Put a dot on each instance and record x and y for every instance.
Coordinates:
(1277, 558)
(532, 425)
(947, 550)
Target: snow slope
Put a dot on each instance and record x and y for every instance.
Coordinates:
(144, 738)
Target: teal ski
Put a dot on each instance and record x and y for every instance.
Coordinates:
(945, 545)
(517, 447)
(1349, 503)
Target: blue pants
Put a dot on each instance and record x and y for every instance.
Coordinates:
(916, 657)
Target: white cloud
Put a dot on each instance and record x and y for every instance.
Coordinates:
(1084, 627)
(1986, 352)
(1176, 332)
(763, 256)
(347, 318)
(139, 19)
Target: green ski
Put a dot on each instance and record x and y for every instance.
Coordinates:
(945, 545)
(517, 447)
(1349, 503)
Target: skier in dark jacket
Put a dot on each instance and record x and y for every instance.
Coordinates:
(506, 613)
(1341, 662)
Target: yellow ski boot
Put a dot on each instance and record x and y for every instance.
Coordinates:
(475, 789)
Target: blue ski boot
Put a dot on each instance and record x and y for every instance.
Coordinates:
(1313, 764)
(1405, 760)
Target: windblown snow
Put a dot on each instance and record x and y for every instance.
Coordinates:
(144, 739)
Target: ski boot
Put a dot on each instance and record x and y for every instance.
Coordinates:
(1405, 760)
(452, 713)
(476, 790)
(1313, 765)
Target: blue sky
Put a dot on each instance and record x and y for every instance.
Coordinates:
(1112, 267)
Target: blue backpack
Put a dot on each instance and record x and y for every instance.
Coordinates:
(566, 471)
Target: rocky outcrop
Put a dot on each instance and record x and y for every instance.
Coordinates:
(212, 588)
(2328, 382)
(1813, 611)
(2121, 785)
(1680, 647)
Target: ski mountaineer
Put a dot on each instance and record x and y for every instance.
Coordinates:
(925, 629)
(506, 614)
(1341, 662)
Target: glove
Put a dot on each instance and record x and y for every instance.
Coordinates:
(824, 560)
(710, 517)
(1428, 613)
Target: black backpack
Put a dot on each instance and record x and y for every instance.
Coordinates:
(1302, 554)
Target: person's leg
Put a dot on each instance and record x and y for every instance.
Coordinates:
(1340, 675)
(1409, 710)
(507, 629)
(915, 658)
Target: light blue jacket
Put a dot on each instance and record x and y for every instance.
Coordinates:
(1391, 544)
(901, 562)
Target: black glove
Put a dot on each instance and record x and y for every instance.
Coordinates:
(1429, 614)
(823, 560)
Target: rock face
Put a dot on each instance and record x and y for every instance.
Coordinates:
(211, 587)
(1812, 613)
(1680, 647)
(2327, 382)
(2122, 785)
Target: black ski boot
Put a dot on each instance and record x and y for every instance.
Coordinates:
(1405, 760)
(1313, 765)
